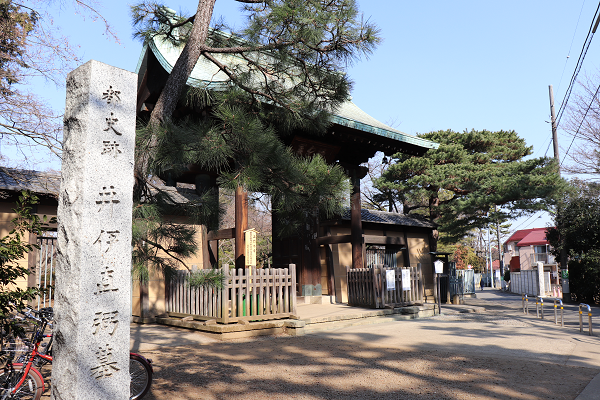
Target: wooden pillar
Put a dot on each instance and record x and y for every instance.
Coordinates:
(213, 252)
(315, 257)
(356, 222)
(330, 268)
(241, 224)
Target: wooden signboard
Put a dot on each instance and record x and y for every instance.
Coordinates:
(250, 238)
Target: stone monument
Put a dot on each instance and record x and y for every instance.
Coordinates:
(93, 273)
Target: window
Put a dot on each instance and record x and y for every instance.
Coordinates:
(541, 254)
(381, 255)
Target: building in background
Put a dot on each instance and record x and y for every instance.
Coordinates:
(525, 248)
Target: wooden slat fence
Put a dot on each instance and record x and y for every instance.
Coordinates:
(44, 274)
(248, 295)
(367, 287)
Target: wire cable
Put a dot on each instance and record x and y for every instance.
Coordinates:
(582, 54)
(570, 47)
(580, 124)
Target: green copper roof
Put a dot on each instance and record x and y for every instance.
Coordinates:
(206, 74)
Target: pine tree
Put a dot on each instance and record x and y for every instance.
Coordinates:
(458, 184)
(292, 78)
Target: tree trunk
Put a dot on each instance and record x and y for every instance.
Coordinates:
(175, 85)
(434, 214)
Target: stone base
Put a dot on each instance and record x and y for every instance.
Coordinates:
(240, 330)
(311, 290)
(316, 300)
(142, 320)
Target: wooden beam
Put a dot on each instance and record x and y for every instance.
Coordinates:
(334, 239)
(221, 234)
(393, 240)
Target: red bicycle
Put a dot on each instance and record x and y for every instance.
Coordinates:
(23, 380)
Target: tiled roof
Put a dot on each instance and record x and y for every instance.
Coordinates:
(207, 75)
(16, 180)
(179, 195)
(384, 217)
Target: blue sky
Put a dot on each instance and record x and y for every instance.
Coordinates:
(442, 64)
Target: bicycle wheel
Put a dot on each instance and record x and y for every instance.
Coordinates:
(140, 372)
(31, 389)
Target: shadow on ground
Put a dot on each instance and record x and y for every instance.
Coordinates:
(325, 367)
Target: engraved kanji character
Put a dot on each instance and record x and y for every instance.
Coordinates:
(106, 366)
(105, 321)
(106, 281)
(111, 94)
(111, 121)
(107, 196)
(110, 148)
(106, 239)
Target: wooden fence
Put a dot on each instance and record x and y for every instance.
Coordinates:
(373, 287)
(247, 295)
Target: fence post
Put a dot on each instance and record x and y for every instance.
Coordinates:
(421, 292)
(293, 272)
(349, 285)
(225, 294)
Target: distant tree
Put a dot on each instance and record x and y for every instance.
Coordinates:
(464, 256)
(577, 230)
(31, 46)
(457, 185)
(582, 123)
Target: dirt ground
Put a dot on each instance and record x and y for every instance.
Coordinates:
(446, 357)
(283, 368)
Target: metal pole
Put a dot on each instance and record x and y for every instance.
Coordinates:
(439, 294)
(563, 252)
(500, 253)
(491, 260)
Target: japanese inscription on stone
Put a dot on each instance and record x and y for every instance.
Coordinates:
(93, 292)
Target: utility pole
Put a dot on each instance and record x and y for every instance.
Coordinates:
(491, 259)
(554, 134)
(500, 252)
(563, 253)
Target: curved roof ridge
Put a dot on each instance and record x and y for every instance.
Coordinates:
(206, 75)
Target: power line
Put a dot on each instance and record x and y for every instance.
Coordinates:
(581, 123)
(570, 47)
(582, 54)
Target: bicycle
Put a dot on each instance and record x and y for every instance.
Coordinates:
(28, 382)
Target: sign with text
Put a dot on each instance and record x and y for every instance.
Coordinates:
(405, 279)
(250, 238)
(390, 279)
